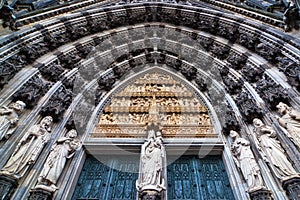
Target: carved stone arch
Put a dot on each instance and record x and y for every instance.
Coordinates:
(216, 148)
(133, 77)
(242, 41)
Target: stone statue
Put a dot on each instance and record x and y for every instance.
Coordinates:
(290, 120)
(28, 149)
(7, 15)
(245, 160)
(152, 164)
(9, 117)
(63, 149)
(272, 151)
(290, 16)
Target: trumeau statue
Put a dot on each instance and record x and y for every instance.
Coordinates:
(245, 160)
(290, 120)
(272, 151)
(63, 149)
(152, 164)
(28, 149)
(9, 117)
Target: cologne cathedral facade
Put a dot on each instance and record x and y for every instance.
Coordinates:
(160, 100)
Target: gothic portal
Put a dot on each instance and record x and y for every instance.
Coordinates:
(162, 100)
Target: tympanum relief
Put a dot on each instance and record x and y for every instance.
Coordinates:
(180, 113)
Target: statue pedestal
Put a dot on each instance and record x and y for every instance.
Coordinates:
(7, 186)
(292, 187)
(261, 194)
(40, 194)
(149, 195)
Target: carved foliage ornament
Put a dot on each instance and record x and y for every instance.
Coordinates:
(236, 61)
(32, 91)
(251, 73)
(291, 70)
(248, 107)
(230, 123)
(271, 92)
(8, 71)
(57, 104)
(52, 72)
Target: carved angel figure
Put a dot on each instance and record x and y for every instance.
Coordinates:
(290, 120)
(273, 151)
(245, 160)
(28, 149)
(63, 149)
(9, 117)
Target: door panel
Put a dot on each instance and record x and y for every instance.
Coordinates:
(114, 180)
(190, 178)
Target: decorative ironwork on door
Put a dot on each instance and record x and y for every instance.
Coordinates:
(115, 181)
(191, 178)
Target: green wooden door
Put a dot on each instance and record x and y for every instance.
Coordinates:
(190, 178)
(114, 180)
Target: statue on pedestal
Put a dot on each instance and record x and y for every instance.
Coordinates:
(151, 179)
(28, 149)
(63, 149)
(272, 151)
(245, 160)
(9, 117)
(290, 120)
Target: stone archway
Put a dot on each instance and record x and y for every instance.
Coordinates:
(257, 65)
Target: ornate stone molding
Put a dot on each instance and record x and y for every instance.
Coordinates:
(261, 194)
(7, 186)
(292, 186)
(40, 194)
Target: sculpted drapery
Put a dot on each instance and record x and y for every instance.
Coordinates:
(63, 149)
(28, 149)
(9, 117)
(273, 151)
(152, 156)
(290, 120)
(245, 160)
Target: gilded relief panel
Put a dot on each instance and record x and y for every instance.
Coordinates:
(154, 98)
